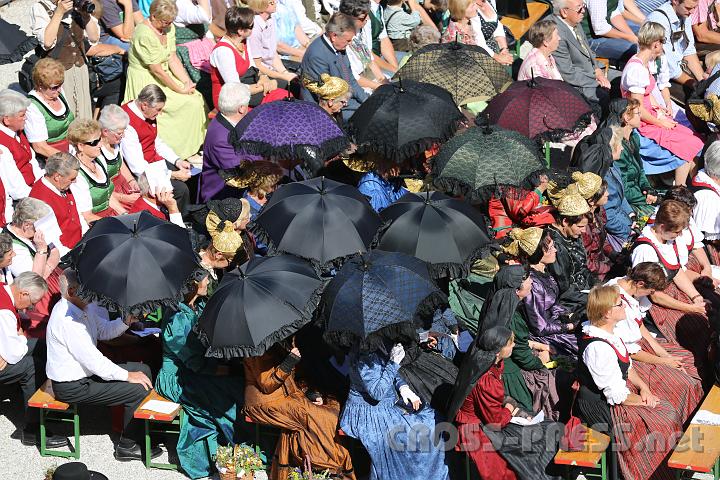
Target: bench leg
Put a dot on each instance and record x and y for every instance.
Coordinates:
(467, 466)
(148, 452)
(43, 433)
(603, 466)
(76, 431)
(716, 469)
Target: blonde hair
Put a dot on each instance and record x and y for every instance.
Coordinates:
(650, 33)
(600, 301)
(48, 72)
(329, 88)
(457, 8)
(257, 6)
(712, 59)
(82, 129)
(617, 137)
(164, 10)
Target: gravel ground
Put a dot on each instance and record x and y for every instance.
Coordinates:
(17, 12)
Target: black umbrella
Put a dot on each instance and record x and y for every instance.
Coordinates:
(447, 233)
(401, 120)
(376, 297)
(259, 304)
(318, 219)
(14, 43)
(134, 263)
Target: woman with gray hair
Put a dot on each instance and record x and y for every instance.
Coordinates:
(34, 254)
(113, 123)
(6, 257)
(706, 185)
(61, 170)
(18, 167)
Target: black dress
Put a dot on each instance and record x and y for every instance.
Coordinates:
(570, 270)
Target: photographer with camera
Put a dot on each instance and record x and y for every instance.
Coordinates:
(62, 27)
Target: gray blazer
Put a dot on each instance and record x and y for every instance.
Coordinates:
(321, 58)
(576, 64)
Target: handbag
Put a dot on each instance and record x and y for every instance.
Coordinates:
(575, 434)
(107, 68)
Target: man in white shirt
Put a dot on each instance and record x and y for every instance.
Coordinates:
(81, 374)
(706, 187)
(20, 361)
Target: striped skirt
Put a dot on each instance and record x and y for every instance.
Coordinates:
(679, 388)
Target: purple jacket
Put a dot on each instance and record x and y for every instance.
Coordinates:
(218, 154)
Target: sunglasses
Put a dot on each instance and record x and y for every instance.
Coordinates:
(93, 143)
(579, 9)
(619, 304)
(55, 88)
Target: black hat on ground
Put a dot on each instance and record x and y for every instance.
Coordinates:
(76, 471)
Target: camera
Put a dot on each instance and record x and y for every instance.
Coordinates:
(85, 6)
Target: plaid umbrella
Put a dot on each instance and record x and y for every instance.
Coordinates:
(542, 108)
(375, 297)
(466, 71)
(480, 159)
(401, 120)
(418, 223)
(290, 130)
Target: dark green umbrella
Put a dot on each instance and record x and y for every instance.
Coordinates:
(483, 158)
(466, 71)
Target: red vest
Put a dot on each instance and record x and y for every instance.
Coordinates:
(65, 211)
(21, 153)
(140, 205)
(6, 303)
(147, 133)
(241, 65)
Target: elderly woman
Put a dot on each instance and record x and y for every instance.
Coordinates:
(263, 179)
(33, 254)
(544, 38)
(420, 36)
(49, 115)
(656, 120)
(18, 166)
(308, 428)
(6, 257)
(232, 61)
(61, 170)
(93, 187)
(113, 122)
(333, 94)
(613, 399)
(263, 43)
(63, 31)
(706, 185)
(152, 60)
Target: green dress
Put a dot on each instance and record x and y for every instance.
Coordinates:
(211, 403)
(100, 192)
(633, 176)
(182, 123)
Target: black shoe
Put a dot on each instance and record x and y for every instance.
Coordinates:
(134, 452)
(31, 438)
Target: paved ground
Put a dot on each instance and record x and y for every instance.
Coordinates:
(17, 12)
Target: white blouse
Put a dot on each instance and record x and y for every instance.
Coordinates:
(707, 212)
(628, 330)
(669, 252)
(601, 361)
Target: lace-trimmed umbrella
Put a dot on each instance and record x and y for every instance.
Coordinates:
(466, 71)
(401, 120)
(540, 109)
(479, 160)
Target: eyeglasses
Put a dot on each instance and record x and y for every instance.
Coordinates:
(55, 88)
(619, 304)
(92, 143)
(362, 18)
(579, 9)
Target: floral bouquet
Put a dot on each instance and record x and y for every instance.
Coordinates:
(237, 462)
(299, 474)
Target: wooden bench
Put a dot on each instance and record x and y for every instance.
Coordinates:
(53, 410)
(520, 27)
(592, 456)
(699, 448)
(164, 423)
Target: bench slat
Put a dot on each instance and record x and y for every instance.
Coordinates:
(699, 455)
(143, 414)
(594, 447)
(45, 398)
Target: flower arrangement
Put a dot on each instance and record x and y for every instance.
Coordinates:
(239, 461)
(298, 474)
